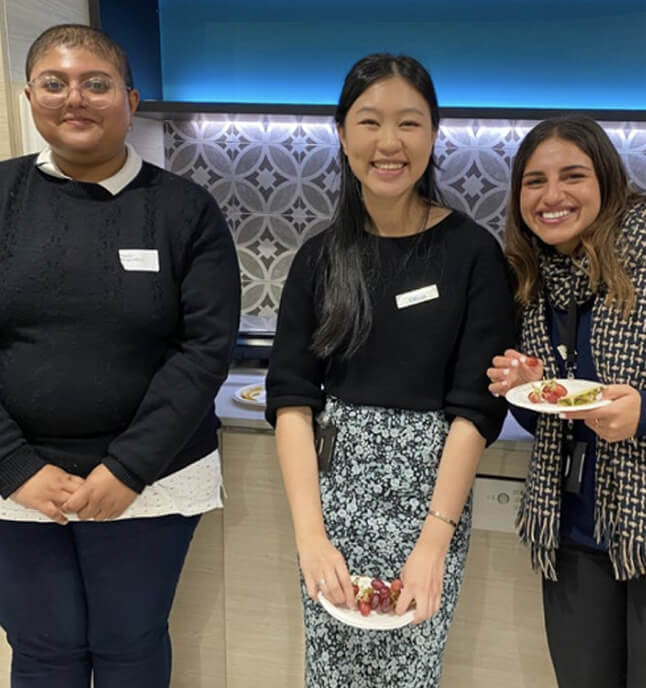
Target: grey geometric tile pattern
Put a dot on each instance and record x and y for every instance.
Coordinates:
(276, 180)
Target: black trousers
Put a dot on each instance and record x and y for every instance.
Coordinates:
(596, 626)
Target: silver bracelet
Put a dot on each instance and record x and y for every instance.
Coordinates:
(442, 517)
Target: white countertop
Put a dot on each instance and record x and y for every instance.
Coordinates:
(236, 415)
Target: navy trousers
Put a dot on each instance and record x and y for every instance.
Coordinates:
(91, 600)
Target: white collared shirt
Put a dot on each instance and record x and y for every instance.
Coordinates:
(114, 184)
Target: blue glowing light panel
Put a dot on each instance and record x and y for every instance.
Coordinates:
(481, 53)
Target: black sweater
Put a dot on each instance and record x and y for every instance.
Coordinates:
(99, 364)
(428, 356)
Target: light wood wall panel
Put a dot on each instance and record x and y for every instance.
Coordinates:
(5, 660)
(5, 92)
(25, 20)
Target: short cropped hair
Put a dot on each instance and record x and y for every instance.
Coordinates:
(80, 36)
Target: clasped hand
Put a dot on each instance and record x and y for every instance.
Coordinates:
(55, 493)
(615, 422)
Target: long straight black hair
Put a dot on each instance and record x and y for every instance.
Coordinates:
(342, 295)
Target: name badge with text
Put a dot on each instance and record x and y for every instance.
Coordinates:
(139, 260)
(412, 298)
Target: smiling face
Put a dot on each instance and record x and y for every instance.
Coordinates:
(388, 139)
(76, 132)
(560, 195)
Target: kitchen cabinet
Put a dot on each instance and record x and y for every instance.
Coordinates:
(237, 618)
(197, 622)
(497, 638)
(264, 627)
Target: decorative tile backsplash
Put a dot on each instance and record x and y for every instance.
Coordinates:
(276, 179)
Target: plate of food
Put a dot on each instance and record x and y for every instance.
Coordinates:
(376, 602)
(558, 395)
(252, 395)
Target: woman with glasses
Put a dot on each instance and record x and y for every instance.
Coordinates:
(119, 303)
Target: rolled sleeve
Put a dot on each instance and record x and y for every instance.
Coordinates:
(487, 330)
(295, 373)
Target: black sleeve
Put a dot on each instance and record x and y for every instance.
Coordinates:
(183, 389)
(526, 419)
(295, 374)
(487, 330)
(18, 460)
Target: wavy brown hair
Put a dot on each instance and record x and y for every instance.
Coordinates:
(599, 240)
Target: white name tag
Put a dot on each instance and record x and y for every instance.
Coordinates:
(412, 298)
(142, 260)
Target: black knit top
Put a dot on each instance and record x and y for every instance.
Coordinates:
(427, 356)
(103, 358)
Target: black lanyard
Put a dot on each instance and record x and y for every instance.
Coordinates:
(567, 337)
(573, 452)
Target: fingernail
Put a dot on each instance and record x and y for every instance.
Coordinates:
(523, 359)
(505, 383)
(514, 363)
(505, 371)
(495, 395)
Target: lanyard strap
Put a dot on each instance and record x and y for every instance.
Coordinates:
(573, 452)
(567, 336)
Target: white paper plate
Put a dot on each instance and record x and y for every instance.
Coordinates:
(374, 621)
(252, 395)
(519, 396)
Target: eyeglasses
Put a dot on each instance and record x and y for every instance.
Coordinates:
(98, 92)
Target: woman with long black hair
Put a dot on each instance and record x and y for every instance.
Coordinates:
(386, 323)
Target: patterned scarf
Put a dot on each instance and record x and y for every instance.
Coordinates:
(619, 355)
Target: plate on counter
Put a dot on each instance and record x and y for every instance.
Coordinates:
(254, 396)
(519, 396)
(373, 622)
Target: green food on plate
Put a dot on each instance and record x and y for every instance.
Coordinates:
(581, 398)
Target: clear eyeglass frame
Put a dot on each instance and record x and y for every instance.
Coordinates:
(96, 100)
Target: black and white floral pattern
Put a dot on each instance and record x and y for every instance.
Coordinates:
(276, 179)
(375, 498)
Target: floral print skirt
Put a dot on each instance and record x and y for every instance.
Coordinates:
(375, 498)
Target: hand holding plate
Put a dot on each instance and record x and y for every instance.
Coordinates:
(618, 420)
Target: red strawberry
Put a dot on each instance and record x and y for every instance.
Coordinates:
(550, 397)
(559, 389)
(364, 607)
(535, 397)
(552, 391)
